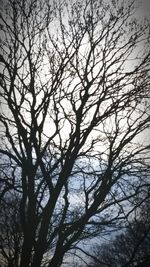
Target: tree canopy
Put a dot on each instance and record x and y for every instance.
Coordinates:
(75, 114)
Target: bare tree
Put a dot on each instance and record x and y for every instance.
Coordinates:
(74, 117)
(129, 248)
(10, 232)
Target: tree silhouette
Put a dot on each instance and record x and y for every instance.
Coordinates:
(131, 247)
(10, 232)
(74, 109)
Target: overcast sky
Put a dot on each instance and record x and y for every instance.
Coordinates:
(144, 9)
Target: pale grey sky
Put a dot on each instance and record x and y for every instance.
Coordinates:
(144, 8)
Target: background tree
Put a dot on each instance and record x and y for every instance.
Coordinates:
(10, 232)
(74, 112)
(132, 246)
